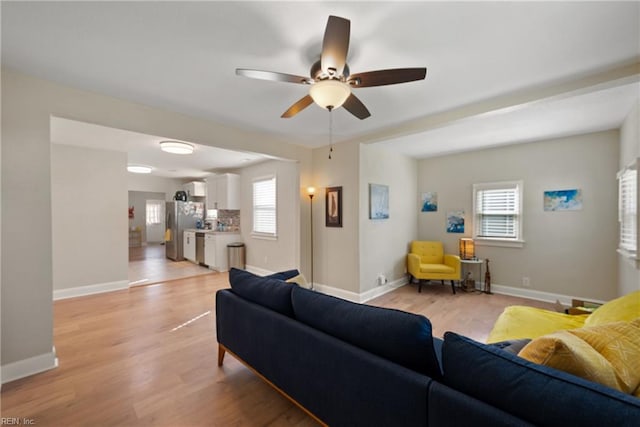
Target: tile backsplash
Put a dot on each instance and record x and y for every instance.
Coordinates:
(229, 218)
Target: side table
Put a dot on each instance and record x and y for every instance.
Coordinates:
(474, 262)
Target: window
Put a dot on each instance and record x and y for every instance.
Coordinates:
(628, 211)
(154, 211)
(264, 206)
(497, 212)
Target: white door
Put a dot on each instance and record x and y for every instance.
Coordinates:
(155, 221)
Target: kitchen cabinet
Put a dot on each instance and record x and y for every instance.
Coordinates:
(196, 188)
(190, 245)
(223, 191)
(215, 249)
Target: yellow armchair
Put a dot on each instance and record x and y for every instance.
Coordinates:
(427, 261)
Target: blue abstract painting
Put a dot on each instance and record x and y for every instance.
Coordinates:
(429, 202)
(563, 200)
(455, 222)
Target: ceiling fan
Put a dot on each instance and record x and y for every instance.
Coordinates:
(330, 79)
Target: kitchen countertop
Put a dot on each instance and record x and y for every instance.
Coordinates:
(212, 231)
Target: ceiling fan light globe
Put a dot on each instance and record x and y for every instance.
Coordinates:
(330, 94)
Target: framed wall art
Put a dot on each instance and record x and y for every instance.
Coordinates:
(378, 201)
(333, 207)
(455, 221)
(429, 202)
(563, 200)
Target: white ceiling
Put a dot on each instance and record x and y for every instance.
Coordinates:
(181, 56)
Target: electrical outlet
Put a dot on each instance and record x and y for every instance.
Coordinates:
(381, 280)
(526, 283)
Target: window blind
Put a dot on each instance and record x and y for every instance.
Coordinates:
(264, 206)
(497, 211)
(628, 209)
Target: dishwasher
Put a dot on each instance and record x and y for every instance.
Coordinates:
(200, 248)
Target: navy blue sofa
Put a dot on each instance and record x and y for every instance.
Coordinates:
(349, 364)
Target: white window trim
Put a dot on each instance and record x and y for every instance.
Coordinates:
(496, 241)
(258, 234)
(630, 254)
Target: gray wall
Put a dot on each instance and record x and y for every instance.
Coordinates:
(27, 276)
(89, 202)
(336, 250)
(282, 253)
(570, 253)
(629, 151)
(384, 243)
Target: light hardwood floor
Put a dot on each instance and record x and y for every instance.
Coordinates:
(148, 264)
(147, 356)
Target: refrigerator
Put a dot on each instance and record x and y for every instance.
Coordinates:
(180, 216)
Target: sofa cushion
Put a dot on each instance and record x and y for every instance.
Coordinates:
(608, 354)
(512, 346)
(535, 393)
(266, 291)
(401, 337)
(625, 308)
(283, 275)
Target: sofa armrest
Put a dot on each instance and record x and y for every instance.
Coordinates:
(413, 264)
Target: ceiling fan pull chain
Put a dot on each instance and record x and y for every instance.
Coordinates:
(330, 131)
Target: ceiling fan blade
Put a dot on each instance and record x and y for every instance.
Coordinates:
(335, 45)
(297, 107)
(273, 76)
(386, 77)
(356, 107)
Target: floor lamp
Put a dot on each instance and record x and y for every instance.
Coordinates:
(311, 191)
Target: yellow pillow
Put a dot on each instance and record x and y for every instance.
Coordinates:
(298, 280)
(607, 354)
(625, 308)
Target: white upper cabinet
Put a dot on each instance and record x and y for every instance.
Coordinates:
(223, 191)
(196, 188)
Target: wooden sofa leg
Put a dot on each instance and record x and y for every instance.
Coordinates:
(221, 353)
(419, 285)
(453, 287)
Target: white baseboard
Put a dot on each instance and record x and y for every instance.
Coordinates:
(538, 295)
(337, 292)
(33, 365)
(381, 290)
(342, 293)
(80, 291)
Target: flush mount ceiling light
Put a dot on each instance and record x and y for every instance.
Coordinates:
(139, 169)
(330, 94)
(176, 147)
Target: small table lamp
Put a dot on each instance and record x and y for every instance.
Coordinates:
(467, 249)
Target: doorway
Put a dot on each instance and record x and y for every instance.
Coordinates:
(147, 261)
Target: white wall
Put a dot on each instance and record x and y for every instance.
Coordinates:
(282, 253)
(629, 151)
(384, 244)
(89, 216)
(571, 253)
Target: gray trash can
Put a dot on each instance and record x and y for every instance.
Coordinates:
(235, 255)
